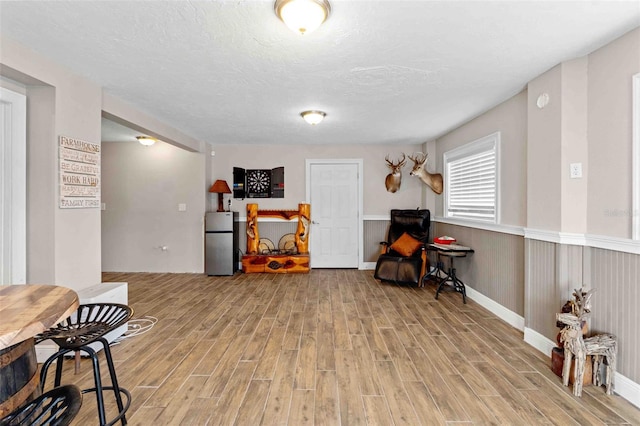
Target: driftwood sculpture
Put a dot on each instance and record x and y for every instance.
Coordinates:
(582, 303)
(394, 179)
(433, 180)
(602, 347)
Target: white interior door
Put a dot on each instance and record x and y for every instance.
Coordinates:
(334, 194)
(13, 193)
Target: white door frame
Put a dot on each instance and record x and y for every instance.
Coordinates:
(359, 162)
(13, 107)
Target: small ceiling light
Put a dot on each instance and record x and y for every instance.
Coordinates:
(313, 117)
(146, 140)
(302, 16)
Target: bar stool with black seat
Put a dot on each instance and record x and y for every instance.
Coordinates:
(88, 325)
(54, 408)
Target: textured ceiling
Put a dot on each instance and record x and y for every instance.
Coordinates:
(229, 72)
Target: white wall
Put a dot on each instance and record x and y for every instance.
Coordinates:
(510, 118)
(141, 188)
(609, 128)
(64, 245)
(68, 240)
(377, 201)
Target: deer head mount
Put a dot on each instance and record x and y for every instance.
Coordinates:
(394, 179)
(433, 180)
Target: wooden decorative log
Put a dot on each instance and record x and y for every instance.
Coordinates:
(253, 236)
(302, 232)
(279, 214)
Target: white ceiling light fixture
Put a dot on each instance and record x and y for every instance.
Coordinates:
(146, 140)
(302, 16)
(313, 117)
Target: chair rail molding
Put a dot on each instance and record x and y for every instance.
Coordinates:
(625, 245)
(505, 229)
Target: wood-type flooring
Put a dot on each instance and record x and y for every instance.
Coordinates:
(333, 347)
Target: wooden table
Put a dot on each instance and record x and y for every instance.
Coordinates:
(26, 310)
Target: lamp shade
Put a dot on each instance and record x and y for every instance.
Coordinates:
(302, 16)
(220, 187)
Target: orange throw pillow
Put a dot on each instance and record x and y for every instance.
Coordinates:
(406, 245)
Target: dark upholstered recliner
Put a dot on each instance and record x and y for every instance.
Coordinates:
(407, 268)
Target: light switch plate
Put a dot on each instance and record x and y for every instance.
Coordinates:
(182, 207)
(575, 170)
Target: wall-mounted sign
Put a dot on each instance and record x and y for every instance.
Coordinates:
(79, 163)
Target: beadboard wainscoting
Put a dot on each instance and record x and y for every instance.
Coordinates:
(496, 269)
(553, 272)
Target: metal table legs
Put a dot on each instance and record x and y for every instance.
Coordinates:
(450, 275)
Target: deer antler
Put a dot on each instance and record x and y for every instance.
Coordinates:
(419, 158)
(399, 164)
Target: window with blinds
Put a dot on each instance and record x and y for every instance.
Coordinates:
(471, 180)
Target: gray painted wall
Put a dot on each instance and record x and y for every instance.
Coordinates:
(610, 71)
(141, 188)
(510, 119)
(58, 103)
(495, 269)
(377, 201)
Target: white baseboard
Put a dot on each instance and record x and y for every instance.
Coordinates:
(503, 313)
(625, 387)
(538, 341)
(367, 266)
(628, 389)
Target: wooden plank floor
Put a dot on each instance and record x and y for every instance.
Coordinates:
(333, 347)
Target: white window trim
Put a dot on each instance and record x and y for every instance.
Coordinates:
(635, 119)
(486, 142)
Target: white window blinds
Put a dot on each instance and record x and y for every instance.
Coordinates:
(471, 179)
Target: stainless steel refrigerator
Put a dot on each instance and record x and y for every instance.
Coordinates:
(221, 243)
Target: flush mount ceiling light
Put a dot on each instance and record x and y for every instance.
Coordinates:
(313, 117)
(146, 140)
(302, 16)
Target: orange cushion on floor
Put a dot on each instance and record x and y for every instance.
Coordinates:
(406, 245)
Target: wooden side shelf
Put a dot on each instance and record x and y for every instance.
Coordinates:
(275, 263)
(279, 214)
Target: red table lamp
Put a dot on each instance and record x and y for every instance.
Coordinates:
(220, 187)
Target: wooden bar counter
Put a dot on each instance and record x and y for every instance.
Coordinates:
(26, 310)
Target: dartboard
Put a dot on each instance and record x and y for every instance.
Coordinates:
(258, 183)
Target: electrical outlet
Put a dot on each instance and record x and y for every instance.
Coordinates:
(575, 170)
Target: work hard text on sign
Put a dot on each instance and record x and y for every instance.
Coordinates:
(79, 174)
